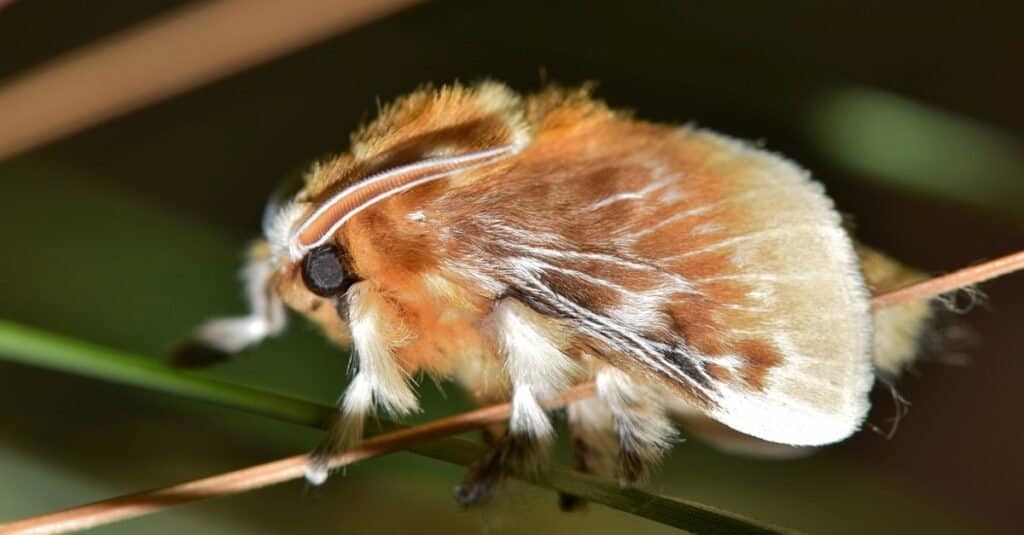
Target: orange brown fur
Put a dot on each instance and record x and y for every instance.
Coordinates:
(533, 191)
(665, 263)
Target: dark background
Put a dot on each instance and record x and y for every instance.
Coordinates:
(130, 233)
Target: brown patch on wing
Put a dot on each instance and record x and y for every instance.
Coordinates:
(696, 321)
(719, 373)
(586, 294)
(706, 325)
(758, 357)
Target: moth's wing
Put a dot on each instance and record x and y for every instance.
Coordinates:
(715, 267)
(699, 425)
(782, 323)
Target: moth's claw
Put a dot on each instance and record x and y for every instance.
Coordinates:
(317, 472)
(474, 492)
(569, 503)
(196, 355)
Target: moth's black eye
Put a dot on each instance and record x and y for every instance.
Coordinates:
(324, 273)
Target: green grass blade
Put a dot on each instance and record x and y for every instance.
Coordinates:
(43, 349)
(901, 143)
(40, 348)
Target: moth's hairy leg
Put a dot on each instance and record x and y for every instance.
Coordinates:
(483, 377)
(642, 425)
(482, 478)
(513, 448)
(594, 443)
(532, 348)
(344, 431)
(512, 453)
(380, 382)
(218, 339)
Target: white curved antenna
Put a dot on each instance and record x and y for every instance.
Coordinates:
(319, 226)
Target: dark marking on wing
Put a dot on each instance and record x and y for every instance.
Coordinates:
(600, 334)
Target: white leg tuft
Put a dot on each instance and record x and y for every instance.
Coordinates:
(316, 474)
(528, 417)
(536, 365)
(374, 337)
(379, 381)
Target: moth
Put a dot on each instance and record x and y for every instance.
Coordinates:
(522, 245)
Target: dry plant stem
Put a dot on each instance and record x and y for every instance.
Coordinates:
(163, 57)
(952, 281)
(263, 475)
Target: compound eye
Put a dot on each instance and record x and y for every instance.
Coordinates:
(324, 273)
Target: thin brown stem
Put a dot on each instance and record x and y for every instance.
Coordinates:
(263, 475)
(952, 281)
(168, 55)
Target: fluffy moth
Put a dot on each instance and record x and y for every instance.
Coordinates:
(521, 245)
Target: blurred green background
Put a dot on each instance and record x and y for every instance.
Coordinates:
(131, 233)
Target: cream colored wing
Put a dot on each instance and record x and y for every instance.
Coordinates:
(800, 310)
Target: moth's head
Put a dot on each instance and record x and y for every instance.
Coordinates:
(449, 134)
